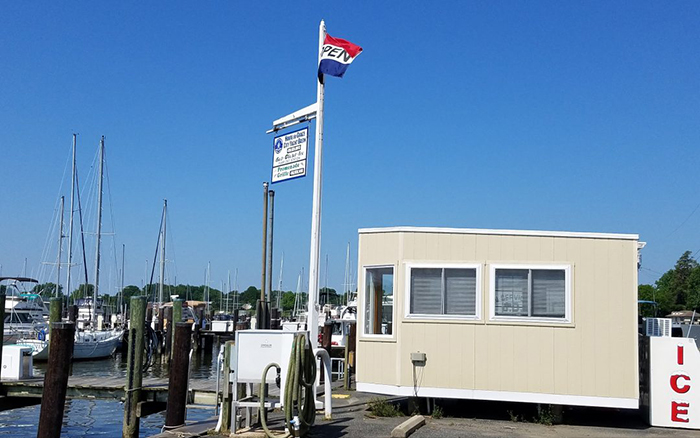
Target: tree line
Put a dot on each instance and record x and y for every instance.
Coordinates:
(219, 300)
(677, 289)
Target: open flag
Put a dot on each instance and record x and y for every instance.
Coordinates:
(336, 56)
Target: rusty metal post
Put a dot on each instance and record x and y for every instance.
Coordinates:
(53, 399)
(134, 367)
(177, 384)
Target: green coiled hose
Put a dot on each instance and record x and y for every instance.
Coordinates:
(298, 389)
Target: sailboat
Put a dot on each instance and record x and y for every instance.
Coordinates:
(92, 342)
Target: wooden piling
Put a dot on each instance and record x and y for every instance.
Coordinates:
(55, 307)
(350, 354)
(53, 399)
(134, 368)
(326, 343)
(179, 367)
(177, 317)
(227, 396)
(72, 313)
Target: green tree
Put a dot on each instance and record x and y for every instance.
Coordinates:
(682, 272)
(249, 296)
(82, 291)
(47, 290)
(328, 295)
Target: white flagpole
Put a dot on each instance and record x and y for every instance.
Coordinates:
(312, 313)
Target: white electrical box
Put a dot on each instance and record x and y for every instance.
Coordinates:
(255, 349)
(17, 362)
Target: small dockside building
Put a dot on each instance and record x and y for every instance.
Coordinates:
(524, 316)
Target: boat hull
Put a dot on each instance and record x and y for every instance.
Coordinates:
(88, 345)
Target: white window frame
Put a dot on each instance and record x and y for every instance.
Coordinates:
(479, 291)
(361, 312)
(567, 319)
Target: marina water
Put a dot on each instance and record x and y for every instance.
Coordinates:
(103, 418)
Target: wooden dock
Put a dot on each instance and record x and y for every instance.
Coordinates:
(154, 392)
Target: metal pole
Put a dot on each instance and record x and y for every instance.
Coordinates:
(60, 247)
(70, 220)
(178, 381)
(132, 391)
(95, 292)
(53, 398)
(271, 194)
(316, 213)
(264, 242)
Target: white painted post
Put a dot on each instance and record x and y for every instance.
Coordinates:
(312, 313)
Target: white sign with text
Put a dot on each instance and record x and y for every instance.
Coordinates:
(675, 383)
(289, 155)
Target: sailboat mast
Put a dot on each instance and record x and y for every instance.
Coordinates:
(228, 291)
(162, 254)
(70, 220)
(60, 241)
(346, 280)
(297, 296)
(96, 290)
(206, 299)
(235, 295)
(121, 292)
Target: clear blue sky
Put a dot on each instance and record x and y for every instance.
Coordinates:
(579, 116)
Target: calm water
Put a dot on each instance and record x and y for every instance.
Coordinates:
(87, 418)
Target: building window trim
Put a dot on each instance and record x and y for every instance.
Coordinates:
(361, 312)
(422, 316)
(568, 317)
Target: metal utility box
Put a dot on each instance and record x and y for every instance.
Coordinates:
(17, 362)
(255, 349)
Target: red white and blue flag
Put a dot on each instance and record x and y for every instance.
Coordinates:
(336, 56)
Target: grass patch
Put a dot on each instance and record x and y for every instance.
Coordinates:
(438, 412)
(513, 417)
(544, 415)
(380, 407)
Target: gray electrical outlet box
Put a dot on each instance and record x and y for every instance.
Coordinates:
(418, 358)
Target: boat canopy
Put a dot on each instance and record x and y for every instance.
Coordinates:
(21, 279)
(30, 296)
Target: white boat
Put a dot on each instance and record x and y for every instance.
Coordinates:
(88, 344)
(25, 313)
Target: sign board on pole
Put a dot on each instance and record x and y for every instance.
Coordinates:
(289, 155)
(674, 383)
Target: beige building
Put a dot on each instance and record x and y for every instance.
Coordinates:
(526, 316)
